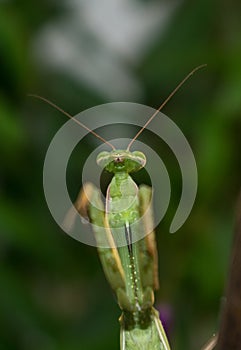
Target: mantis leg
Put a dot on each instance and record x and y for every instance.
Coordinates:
(90, 206)
(148, 257)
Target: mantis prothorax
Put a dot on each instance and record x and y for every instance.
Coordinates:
(131, 269)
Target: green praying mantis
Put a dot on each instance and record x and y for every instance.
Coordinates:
(131, 268)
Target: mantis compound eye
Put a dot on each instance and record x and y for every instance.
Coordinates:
(139, 157)
(103, 159)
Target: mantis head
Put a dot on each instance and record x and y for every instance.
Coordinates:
(121, 161)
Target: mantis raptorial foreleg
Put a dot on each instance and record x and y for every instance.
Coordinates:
(89, 205)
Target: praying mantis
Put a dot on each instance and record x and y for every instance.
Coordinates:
(130, 267)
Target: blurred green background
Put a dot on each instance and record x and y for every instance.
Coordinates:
(53, 294)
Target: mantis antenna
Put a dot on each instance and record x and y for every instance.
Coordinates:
(164, 103)
(140, 131)
(73, 118)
